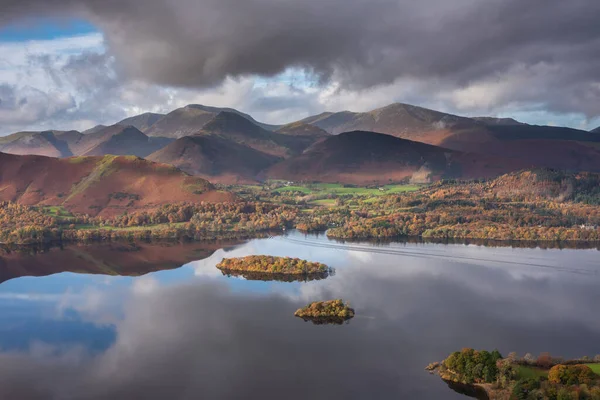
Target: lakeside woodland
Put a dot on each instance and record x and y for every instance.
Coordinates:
(491, 376)
(530, 206)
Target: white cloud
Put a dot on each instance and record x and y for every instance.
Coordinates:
(72, 83)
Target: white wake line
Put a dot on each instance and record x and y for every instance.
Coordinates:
(409, 253)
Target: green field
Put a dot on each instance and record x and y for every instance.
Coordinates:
(525, 372)
(300, 189)
(131, 228)
(339, 189)
(324, 202)
(595, 368)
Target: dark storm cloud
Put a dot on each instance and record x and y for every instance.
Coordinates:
(199, 42)
(552, 45)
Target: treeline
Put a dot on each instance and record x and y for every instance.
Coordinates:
(463, 211)
(527, 378)
(25, 224)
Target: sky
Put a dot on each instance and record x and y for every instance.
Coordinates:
(73, 64)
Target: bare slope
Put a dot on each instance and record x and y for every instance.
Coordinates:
(143, 122)
(119, 140)
(216, 158)
(368, 157)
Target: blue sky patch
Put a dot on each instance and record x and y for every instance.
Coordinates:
(45, 29)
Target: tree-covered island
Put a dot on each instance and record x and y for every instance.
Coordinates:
(326, 312)
(274, 268)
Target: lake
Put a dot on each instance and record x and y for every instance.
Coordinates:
(96, 329)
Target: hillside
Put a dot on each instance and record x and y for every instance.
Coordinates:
(597, 130)
(106, 185)
(94, 129)
(46, 143)
(398, 119)
(216, 158)
(143, 122)
(368, 157)
(548, 184)
(118, 140)
(190, 119)
(98, 141)
(302, 129)
(492, 121)
(517, 143)
(236, 128)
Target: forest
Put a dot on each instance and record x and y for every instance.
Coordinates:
(530, 206)
(527, 378)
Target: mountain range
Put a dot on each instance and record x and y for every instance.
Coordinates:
(393, 143)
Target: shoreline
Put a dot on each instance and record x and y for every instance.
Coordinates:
(115, 235)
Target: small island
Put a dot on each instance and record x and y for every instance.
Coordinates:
(268, 268)
(488, 375)
(326, 312)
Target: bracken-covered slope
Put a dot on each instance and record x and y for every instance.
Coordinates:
(106, 185)
(368, 157)
(215, 158)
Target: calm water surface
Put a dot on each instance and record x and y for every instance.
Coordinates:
(190, 332)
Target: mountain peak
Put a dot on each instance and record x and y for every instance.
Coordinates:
(143, 121)
(227, 121)
(498, 121)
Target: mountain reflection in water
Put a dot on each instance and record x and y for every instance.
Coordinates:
(191, 332)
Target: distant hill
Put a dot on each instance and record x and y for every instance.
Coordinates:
(216, 158)
(98, 141)
(143, 122)
(106, 185)
(232, 149)
(597, 130)
(190, 119)
(46, 143)
(118, 140)
(95, 129)
(509, 144)
(492, 121)
(398, 119)
(236, 128)
(367, 157)
(302, 129)
(536, 146)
